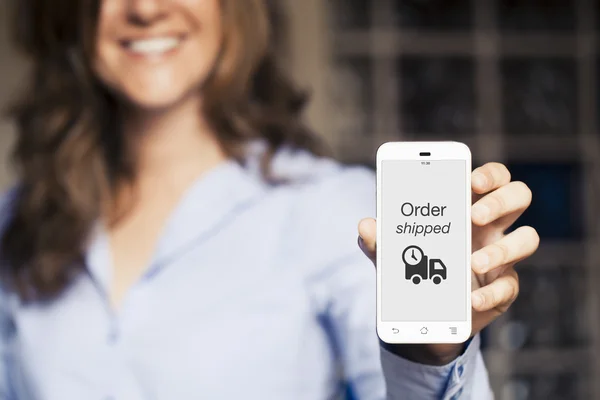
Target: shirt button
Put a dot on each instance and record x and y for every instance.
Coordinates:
(112, 338)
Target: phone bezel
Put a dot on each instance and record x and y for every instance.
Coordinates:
(437, 331)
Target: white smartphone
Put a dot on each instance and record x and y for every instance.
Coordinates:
(423, 242)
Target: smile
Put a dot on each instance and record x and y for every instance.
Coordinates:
(153, 46)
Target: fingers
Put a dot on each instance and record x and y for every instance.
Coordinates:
(517, 245)
(367, 230)
(513, 197)
(489, 177)
(499, 294)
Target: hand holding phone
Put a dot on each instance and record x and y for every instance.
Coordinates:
(497, 202)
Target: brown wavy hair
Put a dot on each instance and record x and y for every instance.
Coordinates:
(70, 154)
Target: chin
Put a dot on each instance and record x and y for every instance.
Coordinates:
(147, 103)
(155, 100)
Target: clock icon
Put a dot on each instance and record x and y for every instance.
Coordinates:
(412, 255)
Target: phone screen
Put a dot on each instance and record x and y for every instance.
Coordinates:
(423, 240)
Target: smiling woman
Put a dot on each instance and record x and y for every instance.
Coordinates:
(118, 62)
(155, 61)
(146, 249)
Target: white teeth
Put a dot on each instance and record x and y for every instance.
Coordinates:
(154, 45)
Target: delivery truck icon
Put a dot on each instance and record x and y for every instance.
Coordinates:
(420, 267)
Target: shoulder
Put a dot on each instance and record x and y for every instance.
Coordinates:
(339, 192)
(326, 186)
(328, 201)
(321, 181)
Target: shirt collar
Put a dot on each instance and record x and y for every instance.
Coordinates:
(223, 190)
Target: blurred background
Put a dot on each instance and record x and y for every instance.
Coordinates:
(518, 81)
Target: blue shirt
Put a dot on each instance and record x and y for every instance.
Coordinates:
(254, 292)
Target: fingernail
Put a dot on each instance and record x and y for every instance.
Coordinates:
(479, 180)
(480, 261)
(478, 300)
(481, 212)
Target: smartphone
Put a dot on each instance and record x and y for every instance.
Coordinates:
(423, 242)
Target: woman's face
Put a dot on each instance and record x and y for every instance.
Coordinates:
(153, 53)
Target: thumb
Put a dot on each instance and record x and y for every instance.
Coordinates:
(367, 231)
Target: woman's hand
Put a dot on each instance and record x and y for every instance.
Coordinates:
(497, 203)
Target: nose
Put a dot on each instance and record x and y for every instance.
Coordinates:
(145, 12)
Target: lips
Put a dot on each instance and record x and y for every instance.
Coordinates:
(153, 46)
